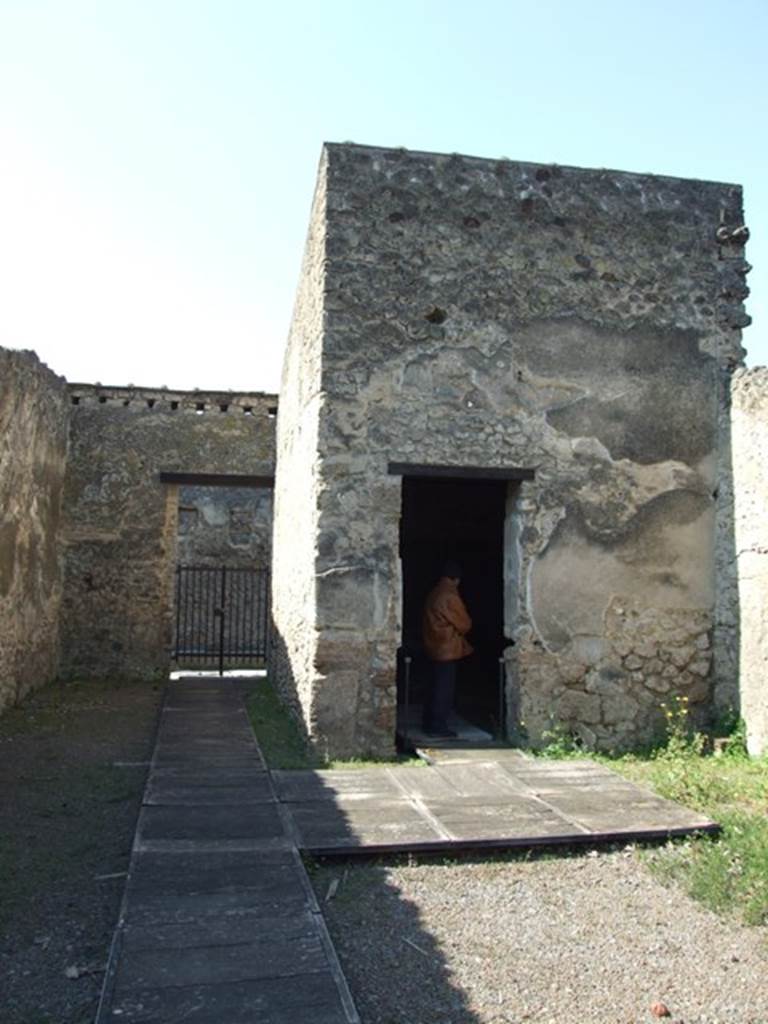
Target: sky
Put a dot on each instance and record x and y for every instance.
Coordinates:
(157, 159)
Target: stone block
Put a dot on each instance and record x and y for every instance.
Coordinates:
(700, 666)
(618, 707)
(345, 598)
(658, 683)
(680, 656)
(573, 706)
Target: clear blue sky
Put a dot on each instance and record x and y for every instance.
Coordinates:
(158, 156)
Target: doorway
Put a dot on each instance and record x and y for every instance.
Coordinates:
(462, 520)
(221, 610)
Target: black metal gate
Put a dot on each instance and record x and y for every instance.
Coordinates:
(222, 617)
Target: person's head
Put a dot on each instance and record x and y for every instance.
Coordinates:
(452, 570)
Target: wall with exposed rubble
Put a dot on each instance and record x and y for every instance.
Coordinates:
(121, 521)
(749, 425)
(230, 526)
(293, 665)
(481, 313)
(33, 450)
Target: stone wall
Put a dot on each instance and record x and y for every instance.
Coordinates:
(293, 666)
(33, 451)
(475, 313)
(749, 424)
(120, 523)
(229, 526)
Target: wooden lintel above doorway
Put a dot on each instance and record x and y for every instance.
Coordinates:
(217, 479)
(460, 472)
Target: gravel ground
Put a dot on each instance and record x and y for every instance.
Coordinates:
(566, 939)
(67, 818)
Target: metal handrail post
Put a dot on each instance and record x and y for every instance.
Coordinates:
(501, 732)
(406, 713)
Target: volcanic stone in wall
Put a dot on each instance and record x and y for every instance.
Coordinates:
(473, 313)
(295, 535)
(229, 526)
(121, 521)
(33, 450)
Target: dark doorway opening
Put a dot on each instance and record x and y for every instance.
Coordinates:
(463, 520)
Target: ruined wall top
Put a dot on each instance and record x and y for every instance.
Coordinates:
(525, 242)
(249, 403)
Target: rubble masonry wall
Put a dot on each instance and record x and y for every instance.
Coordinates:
(33, 451)
(229, 526)
(120, 521)
(293, 664)
(481, 313)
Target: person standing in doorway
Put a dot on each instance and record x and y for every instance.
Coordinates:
(445, 625)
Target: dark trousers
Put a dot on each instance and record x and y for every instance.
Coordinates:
(439, 701)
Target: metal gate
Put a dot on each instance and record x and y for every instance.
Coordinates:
(222, 617)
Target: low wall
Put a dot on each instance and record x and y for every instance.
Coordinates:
(33, 451)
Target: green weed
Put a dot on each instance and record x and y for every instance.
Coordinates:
(283, 744)
(277, 731)
(729, 872)
(560, 743)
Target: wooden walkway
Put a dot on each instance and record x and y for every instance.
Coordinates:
(472, 803)
(219, 922)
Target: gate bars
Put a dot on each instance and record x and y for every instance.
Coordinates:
(222, 616)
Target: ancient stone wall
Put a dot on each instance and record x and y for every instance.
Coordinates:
(295, 536)
(120, 520)
(749, 425)
(498, 314)
(33, 450)
(229, 526)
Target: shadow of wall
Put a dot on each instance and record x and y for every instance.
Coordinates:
(396, 968)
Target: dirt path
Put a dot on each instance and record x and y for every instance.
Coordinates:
(73, 765)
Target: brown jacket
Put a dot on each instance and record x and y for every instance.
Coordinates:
(445, 623)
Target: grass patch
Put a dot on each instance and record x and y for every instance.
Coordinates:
(284, 746)
(280, 739)
(728, 873)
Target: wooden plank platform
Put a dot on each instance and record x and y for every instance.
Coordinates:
(219, 921)
(471, 803)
